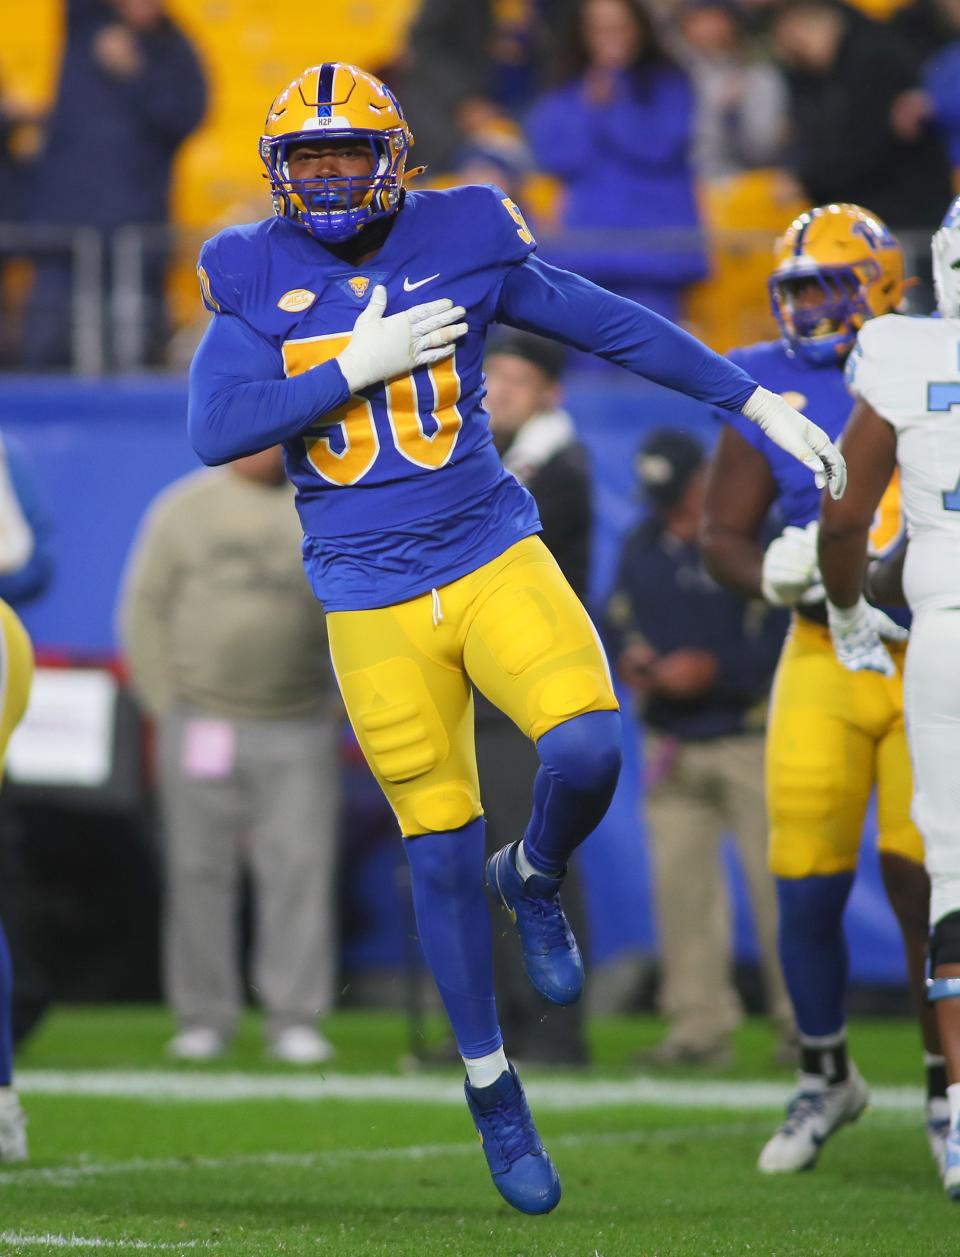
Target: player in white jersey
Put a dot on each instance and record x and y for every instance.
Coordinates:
(905, 373)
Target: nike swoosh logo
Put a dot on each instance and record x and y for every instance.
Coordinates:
(408, 287)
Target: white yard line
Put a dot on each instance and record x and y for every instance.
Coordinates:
(23, 1240)
(562, 1093)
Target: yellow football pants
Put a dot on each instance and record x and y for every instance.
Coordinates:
(833, 735)
(16, 675)
(514, 628)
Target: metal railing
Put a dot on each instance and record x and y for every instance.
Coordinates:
(114, 288)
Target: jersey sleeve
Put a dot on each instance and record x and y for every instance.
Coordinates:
(751, 432)
(219, 290)
(514, 240)
(867, 371)
(540, 298)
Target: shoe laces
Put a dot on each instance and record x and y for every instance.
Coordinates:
(802, 1108)
(553, 924)
(511, 1124)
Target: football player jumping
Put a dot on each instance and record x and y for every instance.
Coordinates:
(421, 547)
(832, 736)
(906, 375)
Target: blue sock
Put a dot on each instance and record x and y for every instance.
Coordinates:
(453, 920)
(6, 1012)
(579, 767)
(813, 950)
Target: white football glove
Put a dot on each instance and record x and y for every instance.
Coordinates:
(856, 633)
(800, 437)
(790, 572)
(381, 348)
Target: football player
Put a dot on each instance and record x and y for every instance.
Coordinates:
(905, 373)
(832, 737)
(421, 547)
(16, 674)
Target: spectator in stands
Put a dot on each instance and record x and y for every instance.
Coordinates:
(742, 107)
(131, 90)
(227, 650)
(469, 68)
(618, 134)
(537, 442)
(933, 26)
(699, 660)
(854, 136)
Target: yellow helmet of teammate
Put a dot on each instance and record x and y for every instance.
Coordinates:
(338, 101)
(834, 267)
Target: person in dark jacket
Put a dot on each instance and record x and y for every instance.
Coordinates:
(699, 660)
(131, 90)
(855, 138)
(537, 442)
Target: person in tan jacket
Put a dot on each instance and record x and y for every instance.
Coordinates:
(227, 652)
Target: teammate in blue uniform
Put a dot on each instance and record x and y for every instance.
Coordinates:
(833, 736)
(422, 548)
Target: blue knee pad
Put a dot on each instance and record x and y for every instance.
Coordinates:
(813, 949)
(579, 768)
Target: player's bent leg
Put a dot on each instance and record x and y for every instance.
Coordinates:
(944, 992)
(820, 764)
(932, 703)
(532, 649)
(579, 767)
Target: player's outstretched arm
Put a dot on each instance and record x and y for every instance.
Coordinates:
(240, 401)
(541, 298)
(870, 445)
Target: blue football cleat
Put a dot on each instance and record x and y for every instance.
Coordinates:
(551, 957)
(951, 1168)
(521, 1170)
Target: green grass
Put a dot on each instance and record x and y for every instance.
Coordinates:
(357, 1178)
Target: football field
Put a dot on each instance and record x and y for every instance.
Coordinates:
(241, 1158)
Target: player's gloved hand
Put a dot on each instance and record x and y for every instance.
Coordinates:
(800, 437)
(790, 573)
(856, 633)
(381, 348)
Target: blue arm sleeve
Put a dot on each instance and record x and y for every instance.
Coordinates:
(239, 400)
(541, 298)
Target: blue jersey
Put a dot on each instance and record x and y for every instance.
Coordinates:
(399, 487)
(820, 392)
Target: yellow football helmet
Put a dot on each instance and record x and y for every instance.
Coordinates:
(342, 101)
(834, 267)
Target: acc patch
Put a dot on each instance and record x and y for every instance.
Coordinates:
(296, 300)
(358, 285)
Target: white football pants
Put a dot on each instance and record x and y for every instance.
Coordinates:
(932, 706)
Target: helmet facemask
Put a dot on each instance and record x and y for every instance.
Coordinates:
(334, 209)
(824, 330)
